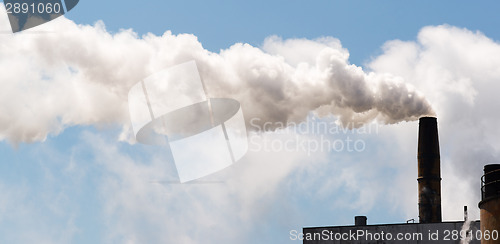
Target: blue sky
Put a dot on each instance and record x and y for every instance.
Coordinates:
(69, 173)
(362, 26)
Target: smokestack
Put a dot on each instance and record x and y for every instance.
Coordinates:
(429, 172)
(490, 201)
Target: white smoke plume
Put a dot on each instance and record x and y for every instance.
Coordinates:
(66, 74)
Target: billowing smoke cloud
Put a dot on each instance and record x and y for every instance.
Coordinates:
(80, 75)
(457, 70)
